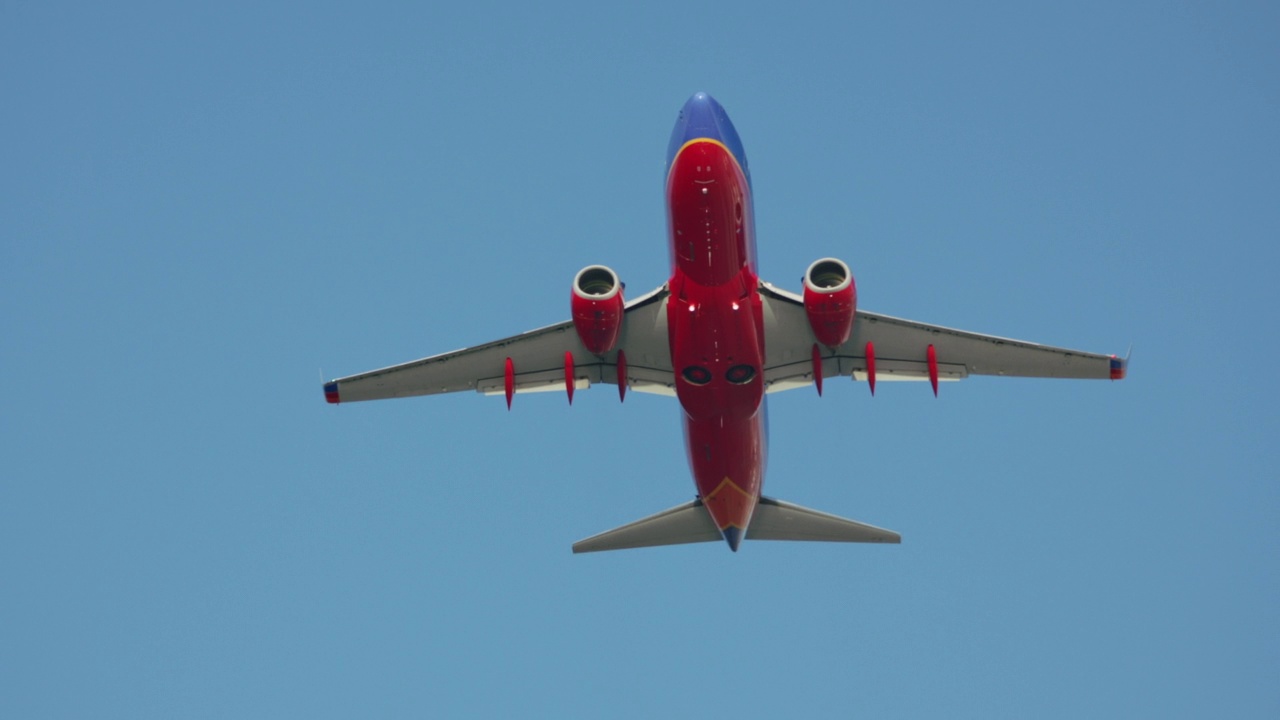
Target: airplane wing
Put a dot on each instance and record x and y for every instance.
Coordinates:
(537, 359)
(900, 350)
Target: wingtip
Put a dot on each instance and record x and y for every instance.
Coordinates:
(331, 393)
(1120, 366)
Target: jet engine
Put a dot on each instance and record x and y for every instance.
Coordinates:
(596, 306)
(830, 300)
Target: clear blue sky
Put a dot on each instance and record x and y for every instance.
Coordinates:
(201, 208)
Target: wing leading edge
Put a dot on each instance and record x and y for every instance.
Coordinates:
(538, 362)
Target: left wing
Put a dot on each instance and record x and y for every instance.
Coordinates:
(900, 350)
(538, 361)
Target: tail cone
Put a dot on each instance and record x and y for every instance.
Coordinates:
(733, 536)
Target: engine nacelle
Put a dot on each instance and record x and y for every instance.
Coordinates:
(596, 306)
(830, 300)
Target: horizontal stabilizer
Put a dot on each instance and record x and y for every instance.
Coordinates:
(688, 523)
(778, 520)
(772, 520)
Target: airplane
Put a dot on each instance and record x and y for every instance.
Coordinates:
(720, 340)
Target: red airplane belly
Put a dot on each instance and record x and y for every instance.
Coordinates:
(727, 455)
(716, 331)
(709, 214)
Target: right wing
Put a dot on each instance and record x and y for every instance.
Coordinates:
(901, 346)
(538, 359)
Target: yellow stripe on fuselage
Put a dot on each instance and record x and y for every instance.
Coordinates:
(713, 141)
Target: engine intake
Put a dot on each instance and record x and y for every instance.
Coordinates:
(597, 308)
(830, 301)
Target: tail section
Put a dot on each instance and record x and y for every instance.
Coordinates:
(688, 523)
(778, 520)
(772, 520)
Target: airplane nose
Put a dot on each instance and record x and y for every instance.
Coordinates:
(700, 117)
(703, 117)
(699, 100)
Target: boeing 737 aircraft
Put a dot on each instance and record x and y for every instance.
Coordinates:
(719, 339)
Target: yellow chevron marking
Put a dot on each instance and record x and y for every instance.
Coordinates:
(727, 482)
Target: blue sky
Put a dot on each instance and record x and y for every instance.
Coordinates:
(201, 208)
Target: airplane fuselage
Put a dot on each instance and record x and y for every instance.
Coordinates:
(718, 316)
(714, 316)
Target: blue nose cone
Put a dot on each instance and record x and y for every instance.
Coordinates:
(703, 117)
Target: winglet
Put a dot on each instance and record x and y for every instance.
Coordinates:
(1120, 366)
(331, 392)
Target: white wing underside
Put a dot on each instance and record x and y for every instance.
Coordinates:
(538, 358)
(901, 346)
(901, 350)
